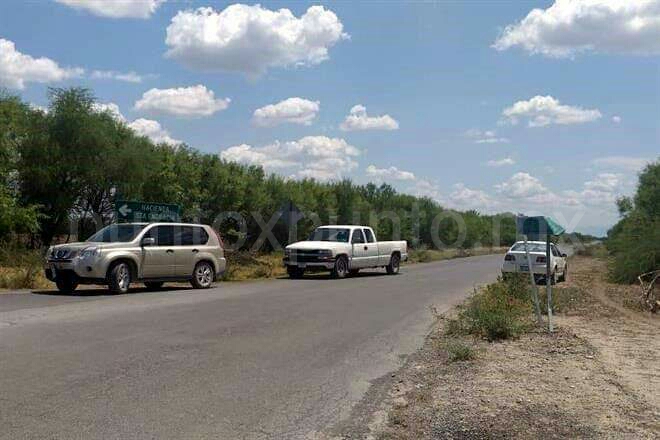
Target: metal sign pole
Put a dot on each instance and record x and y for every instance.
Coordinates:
(548, 283)
(535, 296)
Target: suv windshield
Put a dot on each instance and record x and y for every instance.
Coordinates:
(116, 233)
(330, 234)
(531, 247)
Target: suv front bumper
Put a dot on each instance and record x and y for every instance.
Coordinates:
(83, 270)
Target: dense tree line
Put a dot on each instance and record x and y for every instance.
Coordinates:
(72, 162)
(635, 240)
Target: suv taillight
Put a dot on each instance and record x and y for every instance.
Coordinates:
(509, 257)
(540, 259)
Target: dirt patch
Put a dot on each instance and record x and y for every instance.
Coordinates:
(597, 376)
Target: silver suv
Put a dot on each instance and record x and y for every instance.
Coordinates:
(153, 254)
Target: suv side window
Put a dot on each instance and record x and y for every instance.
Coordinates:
(358, 237)
(370, 236)
(164, 235)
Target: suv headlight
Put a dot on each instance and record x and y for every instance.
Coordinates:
(90, 252)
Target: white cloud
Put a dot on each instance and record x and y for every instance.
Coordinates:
(251, 39)
(616, 119)
(358, 119)
(601, 191)
(463, 197)
(16, 68)
(193, 101)
(522, 186)
(293, 110)
(391, 173)
(568, 28)
(425, 188)
(131, 76)
(318, 157)
(153, 130)
(116, 8)
(621, 162)
(485, 137)
(501, 162)
(111, 108)
(546, 110)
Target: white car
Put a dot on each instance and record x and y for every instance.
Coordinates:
(515, 261)
(343, 250)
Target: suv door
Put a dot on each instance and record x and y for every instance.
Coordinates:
(189, 242)
(158, 260)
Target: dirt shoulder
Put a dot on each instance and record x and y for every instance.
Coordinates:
(597, 376)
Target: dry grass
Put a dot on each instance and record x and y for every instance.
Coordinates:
(429, 255)
(243, 266)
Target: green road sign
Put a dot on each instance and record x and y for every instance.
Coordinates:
(132, 211)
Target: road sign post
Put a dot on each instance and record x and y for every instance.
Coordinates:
(128, 211)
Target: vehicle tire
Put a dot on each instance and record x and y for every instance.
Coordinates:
(295, 272)
(203, 275)
(553, 279)
(153, 285)
(66, 284)
(354, 272)
(120, 277)
(341, 267)
(562, 277)
(395, 263)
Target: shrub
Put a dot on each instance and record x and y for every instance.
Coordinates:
(459, 351)
(500, 310)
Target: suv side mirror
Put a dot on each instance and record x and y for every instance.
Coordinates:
(148, 241)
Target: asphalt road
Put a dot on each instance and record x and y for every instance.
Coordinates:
(272, 359)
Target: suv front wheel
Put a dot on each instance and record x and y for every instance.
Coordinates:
(66, 283)
(203, 275)
(120, 278)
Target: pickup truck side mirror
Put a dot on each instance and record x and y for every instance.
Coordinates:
(148, 241)
(564, 255)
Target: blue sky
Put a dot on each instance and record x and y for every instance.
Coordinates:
(587, 92)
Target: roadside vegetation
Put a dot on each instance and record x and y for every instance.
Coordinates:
(634, 241)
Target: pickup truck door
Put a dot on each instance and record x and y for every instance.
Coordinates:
(360, 250)
(371, 248)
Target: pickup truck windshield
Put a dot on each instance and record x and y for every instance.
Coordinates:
(330, 234)
(116, 234)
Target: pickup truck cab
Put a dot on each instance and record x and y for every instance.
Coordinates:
(343, 250)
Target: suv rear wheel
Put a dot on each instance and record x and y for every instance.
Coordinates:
(203, 275)
(120, 278)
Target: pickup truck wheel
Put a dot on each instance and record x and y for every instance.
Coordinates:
(153, 285)
(203, 275)
(66, 284)
(295, 272)
(341, 267)
(120, 278)
(393, 267)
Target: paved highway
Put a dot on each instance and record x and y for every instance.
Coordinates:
(253, 360)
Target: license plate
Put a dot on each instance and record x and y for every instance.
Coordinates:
(524, 268)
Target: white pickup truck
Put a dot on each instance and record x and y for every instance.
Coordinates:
(343, 250)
